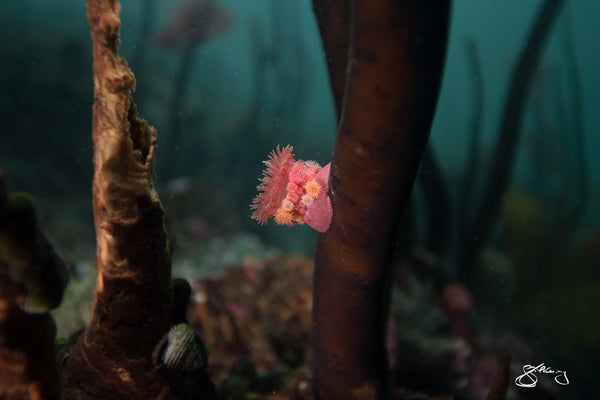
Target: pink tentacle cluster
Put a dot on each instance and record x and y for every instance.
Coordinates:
(293, 192)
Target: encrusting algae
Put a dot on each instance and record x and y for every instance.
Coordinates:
(293, 192)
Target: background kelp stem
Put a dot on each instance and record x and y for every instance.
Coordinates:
(474, 239)
(396, 61)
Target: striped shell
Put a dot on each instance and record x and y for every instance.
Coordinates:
(180, 349)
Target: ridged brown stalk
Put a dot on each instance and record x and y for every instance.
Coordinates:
(131, 307)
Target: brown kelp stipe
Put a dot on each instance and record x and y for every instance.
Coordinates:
(396, 61)
(131, 308)
(333, 17)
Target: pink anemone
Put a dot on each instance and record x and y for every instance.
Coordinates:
(293, 192)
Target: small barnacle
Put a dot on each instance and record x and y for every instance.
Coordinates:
(180, 349)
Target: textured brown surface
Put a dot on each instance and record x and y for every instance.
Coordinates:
(258, 311)
(397, 55)
(131, 308)
(27, 368)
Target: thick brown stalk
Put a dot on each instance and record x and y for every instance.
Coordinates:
(333, 17)
(396, 65)
(131, 308)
